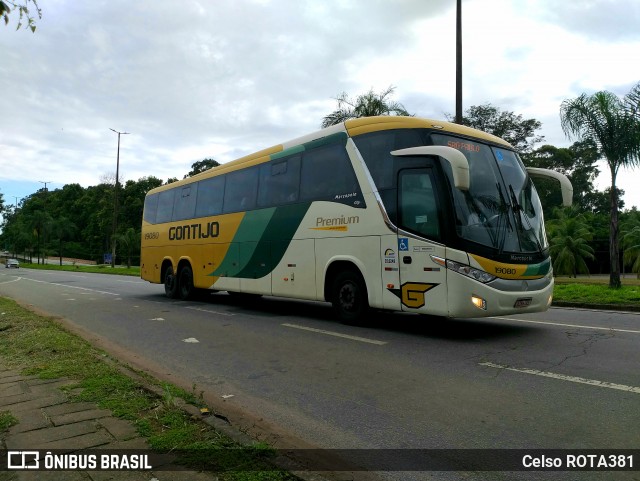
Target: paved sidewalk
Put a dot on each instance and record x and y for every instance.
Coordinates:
(48, 420)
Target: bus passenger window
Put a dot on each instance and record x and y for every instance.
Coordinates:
(241, 190)
(327, 173)
(185, 202)
(210, 193)
(279, 182)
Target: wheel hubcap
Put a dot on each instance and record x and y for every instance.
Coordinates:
(347, 296)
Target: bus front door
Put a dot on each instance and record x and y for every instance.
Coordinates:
(423, 286)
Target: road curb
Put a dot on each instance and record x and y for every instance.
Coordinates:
(598, 307)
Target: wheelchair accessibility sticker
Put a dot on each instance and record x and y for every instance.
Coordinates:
(403, 244)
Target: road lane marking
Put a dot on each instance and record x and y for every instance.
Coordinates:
(12, 280)
(563, 377)
(336, 334)
(210, 311)
(71, 287)
(567, 325)
(191, 340)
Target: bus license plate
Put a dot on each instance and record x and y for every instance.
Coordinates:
(523, 302)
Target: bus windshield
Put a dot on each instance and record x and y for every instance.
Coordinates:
(501, 209)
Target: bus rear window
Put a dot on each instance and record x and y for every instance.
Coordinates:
(165, 206)
(150, 208)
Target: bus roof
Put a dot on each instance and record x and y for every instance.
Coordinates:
(353, 128)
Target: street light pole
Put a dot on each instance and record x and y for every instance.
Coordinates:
(115, 201)
(458, 119)
(42, 233)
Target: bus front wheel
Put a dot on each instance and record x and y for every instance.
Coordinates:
(349, 299)
(185, 283)
(170, 283)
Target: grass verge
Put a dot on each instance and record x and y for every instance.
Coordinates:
(96, 269)
(595, 291)
(39, 346)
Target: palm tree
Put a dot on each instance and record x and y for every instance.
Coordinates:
(63, 228)
(631, 243)
(614, 125)
(569, 237)
(366, 105)
(129, 241)
(39, 220)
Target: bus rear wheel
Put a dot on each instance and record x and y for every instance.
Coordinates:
(349, 298)
(170, 283)
(185, 283)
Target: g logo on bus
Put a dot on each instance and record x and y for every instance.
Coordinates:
(412, 293)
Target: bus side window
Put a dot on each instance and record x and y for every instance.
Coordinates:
(165, 206)
(241, 190)
(185, 202)
(279, 182)
(326, 173)
(376, 148)
(210, 194)
(418, 207)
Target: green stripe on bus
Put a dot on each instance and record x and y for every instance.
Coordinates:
(262, 238)
(249, 232)
(538, 269)
(274, 242)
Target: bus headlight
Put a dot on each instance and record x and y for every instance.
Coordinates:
(465, 270)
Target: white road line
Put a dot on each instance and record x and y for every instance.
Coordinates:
(563, 377)
(336, 334)
(567, 325)
(210, 311)
(71, 287)
(12, 280)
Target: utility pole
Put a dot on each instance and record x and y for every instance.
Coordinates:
(42, 232)
(458, 119)
(115, 201)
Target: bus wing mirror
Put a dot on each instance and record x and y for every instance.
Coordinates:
(565, 184)
(457, 160)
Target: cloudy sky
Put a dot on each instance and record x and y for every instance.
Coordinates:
(223, 78)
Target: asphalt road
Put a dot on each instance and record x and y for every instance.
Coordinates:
(285, 371)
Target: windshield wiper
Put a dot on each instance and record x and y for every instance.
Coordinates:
(518, 213)
(503, 209)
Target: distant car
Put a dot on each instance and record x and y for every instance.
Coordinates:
(12, 263)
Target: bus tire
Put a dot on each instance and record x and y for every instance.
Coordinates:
(349, 297)
(185, 283)
(170, 283)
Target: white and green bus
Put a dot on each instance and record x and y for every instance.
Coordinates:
(394, 213)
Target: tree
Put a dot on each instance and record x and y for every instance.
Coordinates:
(63, 229)
(577, 162)
(129, 242)
(613, 124)
(519, 132)
(366, 105)
(39, 220)
(631, 241)
(23, 11)
(201, 166)
(569, 237)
